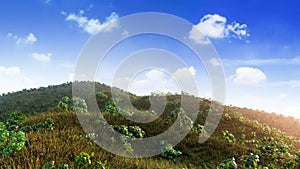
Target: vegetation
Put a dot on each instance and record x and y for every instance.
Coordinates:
(54, 138)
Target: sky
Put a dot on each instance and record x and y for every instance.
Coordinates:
(257, 43)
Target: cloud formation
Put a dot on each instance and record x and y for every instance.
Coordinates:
(248, 76)
(157, 80)
(42, 57)
(91, 25)
(27, 40)
(215, 26)
(214, 62)
(12, 79)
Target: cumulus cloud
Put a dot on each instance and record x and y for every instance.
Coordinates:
(248, 76)
(42, 57)
(91, 25)
(29, 39)
(12, 79)
(238, 30)
(214, 62)
(157, 80)
(215, 26)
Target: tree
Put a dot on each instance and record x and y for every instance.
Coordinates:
(76, 104)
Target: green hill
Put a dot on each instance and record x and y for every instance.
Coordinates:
(54, 137)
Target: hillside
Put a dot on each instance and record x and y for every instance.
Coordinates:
(43, 99)
(36, 100)
(54, 138)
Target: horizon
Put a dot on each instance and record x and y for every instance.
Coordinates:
(257, 43)
(141, 95)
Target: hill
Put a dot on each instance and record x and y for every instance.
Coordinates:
(37, 100)
(54, 138)
(43, 99)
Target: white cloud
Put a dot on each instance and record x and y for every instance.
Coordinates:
(63, 12)
(91, 25)
(215, 26)
(9, 34)
(157, 80)
(248, 76)
(42, 57)
(238, 30)
(12, 79)
(28, 40)
(214, 62)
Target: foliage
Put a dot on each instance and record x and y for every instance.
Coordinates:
(49, 165)
(10, 141)
(64, 103)
(272, 150)
(48, 124)
(250, 161)
(67, 140)
(76, 104)
(83, 159)
(102, 96)
(168, 151)
(228, 136)
(14, 120)
(130, 131)
(110, 107)
(228, 164)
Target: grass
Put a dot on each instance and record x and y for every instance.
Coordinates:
(67, 140)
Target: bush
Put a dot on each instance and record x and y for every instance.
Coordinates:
(228, 136)
(228, 164)
(168, 151)
(130, 131)
(14, 120)
(11, 141)
(76, 104)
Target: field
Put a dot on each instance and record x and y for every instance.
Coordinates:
(40, 129)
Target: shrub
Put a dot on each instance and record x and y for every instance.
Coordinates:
(130, 131)
(83, 160)
(228, 164)
(228, 136)
(168, 151)
(76, 104)
(250, 161)
(64, 103)
(49, 165)
(11, 141)
(14, 120)
(48, 124)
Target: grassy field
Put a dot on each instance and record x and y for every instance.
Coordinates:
(55, 139)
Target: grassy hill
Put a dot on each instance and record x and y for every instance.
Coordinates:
(54, 138)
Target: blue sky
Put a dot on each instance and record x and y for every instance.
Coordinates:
(257, 42)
